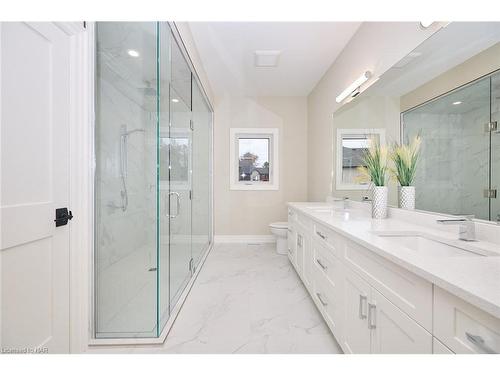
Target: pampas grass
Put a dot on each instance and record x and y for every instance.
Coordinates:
(375, 160)
(405, 158)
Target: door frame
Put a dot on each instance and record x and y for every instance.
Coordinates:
(80, 179)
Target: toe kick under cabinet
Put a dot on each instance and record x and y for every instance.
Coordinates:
(372, 305)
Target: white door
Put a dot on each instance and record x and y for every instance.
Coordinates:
(394, 332)
(34, 255)
(356, 335)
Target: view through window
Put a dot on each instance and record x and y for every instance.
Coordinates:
(253, 159)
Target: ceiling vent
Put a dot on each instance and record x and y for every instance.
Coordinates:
(267, 59)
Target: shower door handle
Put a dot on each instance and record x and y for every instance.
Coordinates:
(178, 197)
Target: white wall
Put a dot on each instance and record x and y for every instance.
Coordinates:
(250, 212)
(376, 46)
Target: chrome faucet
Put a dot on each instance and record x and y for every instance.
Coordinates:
(467, 229)
(346, 203)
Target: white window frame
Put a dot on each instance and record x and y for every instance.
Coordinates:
(341, 185)
(270, 133)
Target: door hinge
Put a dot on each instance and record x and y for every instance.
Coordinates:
(490, 193)
(491, 127)
(190, 194)
(191, 124)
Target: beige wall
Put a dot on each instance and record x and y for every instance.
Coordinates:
(375, 47)
(378, 112)
(250, 212)
(477, 66)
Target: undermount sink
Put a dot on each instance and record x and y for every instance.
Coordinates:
(342, 213)
(425, 245)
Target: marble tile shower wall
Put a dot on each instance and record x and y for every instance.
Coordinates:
(453, 169)
(121, 233)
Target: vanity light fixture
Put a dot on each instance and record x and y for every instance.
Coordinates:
(133, 53)
(354, 88)
(457, 102)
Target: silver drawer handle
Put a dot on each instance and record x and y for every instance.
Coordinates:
(362, 306)
(372, 316)
(321, 264)
(321, 235)
(479, 342)
(321, 299)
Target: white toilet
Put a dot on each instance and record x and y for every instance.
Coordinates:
(280, 230)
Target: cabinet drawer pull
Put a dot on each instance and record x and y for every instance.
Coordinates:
(372, 316)
(321, 299)
(479, 342)
(321, 235)
(321, 264)
(362, 306)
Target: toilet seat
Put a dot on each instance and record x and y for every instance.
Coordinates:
(279, 225)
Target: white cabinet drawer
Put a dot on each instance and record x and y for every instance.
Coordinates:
(462, 327)
(326, 263)
(328, 298)
(404, 289)
(304, 221)
(330, 238)
(439, 348)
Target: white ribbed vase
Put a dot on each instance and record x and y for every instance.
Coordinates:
(406, 197)
(379, 202)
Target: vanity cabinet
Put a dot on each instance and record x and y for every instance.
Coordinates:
(393, 331)
(462, 327)
(373, 305)
(372, 324)
(370, 304)
(356, 338)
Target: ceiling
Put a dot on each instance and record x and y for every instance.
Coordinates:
(307, 50)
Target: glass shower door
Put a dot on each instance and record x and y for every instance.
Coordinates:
(180, 174)
(495, 148)
(125, 244)
(201, 204)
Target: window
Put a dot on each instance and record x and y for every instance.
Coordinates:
(351, 146)
(254, 159)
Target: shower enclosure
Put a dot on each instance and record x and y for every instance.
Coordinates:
(153, 151)
(459, 166)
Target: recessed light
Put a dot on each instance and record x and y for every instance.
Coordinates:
(175, 100)
(457, 102)
(133, 53)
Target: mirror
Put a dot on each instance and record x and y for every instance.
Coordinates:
(351, 146)
(447, 91)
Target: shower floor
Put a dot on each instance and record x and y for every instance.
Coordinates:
(128, 292)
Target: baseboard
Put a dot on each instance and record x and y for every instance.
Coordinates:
(244, 238)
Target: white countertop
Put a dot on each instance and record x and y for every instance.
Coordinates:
(475, 279)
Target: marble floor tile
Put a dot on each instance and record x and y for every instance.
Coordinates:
(247, 299)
